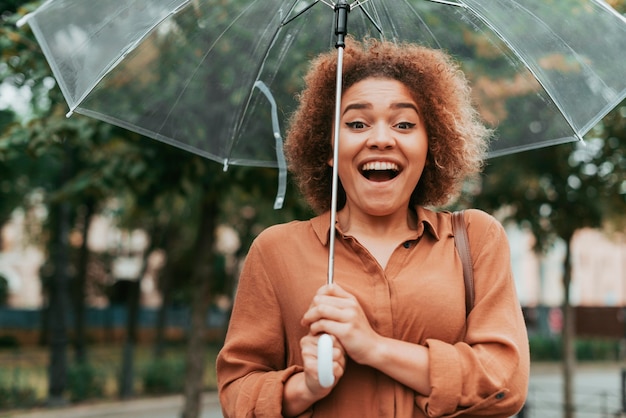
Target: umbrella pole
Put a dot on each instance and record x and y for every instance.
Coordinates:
(325, 373)
(335, 178)
(342, 8)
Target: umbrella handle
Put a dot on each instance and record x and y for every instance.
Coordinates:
(325, 373)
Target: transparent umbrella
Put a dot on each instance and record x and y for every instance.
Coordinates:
(208, 75)
(218, 77)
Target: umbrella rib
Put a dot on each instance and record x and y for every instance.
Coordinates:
(530, 68)
(306, 9)
(260, 69)
(128, 50)
(449, 3)
(204, 56)
(359, 3)
(426, 26)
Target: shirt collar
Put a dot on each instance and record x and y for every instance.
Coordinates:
(427, 220)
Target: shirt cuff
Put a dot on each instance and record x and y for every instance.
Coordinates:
(446, 379)
(270, 400)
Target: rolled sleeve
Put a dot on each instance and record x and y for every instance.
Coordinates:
(446, 381)
(258, 395)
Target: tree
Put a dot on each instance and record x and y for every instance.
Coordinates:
(556, 191)
(77, 163)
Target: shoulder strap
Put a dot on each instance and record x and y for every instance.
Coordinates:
(459, 229)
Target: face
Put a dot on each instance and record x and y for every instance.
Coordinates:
(382, 146)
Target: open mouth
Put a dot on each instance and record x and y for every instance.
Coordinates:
(380, 171)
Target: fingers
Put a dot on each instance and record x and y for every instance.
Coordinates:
(330, 302)
(334, 290)
(309, 354)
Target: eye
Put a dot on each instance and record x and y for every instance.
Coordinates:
(405, 125)
(355, 125)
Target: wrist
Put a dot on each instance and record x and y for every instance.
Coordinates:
(377, 352)
(297, 396)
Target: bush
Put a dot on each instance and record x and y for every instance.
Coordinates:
(164, 376)
(597, 350)
(85, 381)
(17, 397)
(545, 349)
(550, 349)
(13, 395)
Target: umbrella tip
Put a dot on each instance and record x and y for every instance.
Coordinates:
(22, 21)
(225, 164)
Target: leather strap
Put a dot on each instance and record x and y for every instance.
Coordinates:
(461, 240)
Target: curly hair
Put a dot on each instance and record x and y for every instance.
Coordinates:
(457, 139)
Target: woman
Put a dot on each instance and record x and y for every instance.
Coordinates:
(403, 346)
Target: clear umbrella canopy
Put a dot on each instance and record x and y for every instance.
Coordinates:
(219, 78)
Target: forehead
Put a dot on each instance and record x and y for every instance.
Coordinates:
(376, 91)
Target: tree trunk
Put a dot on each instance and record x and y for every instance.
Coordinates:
(127, 376)
(201, 286)
(161, 320)
(569, 335)
(80, 350)
(127, 373)
(57, 303)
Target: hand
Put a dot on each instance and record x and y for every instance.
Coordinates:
(336, 312)
(308, 346)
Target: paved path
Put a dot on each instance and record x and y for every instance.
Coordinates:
(161, 407)
(597, 390)
(597, 393)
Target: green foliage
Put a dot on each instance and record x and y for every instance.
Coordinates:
(544, 348)
(14, 393)
(551, 349)
(164, 376)
(12, 397)
(85, 381)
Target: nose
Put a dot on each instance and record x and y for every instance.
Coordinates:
(381, 137)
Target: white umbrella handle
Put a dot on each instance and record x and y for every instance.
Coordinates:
(325, 374)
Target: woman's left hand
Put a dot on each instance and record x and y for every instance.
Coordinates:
(336, 312)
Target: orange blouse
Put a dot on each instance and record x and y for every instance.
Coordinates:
(478, 366)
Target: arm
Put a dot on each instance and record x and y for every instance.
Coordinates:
(251, 366)
(253, 375)
(486, 373)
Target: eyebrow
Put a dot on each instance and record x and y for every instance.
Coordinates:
(399, 105)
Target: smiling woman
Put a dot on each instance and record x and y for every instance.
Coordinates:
(403, 345)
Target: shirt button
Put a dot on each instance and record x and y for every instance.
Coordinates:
(500, 395)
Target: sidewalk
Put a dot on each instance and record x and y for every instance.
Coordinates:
(597, 391)
(159, 407)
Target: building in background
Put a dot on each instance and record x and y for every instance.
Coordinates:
(598, 266)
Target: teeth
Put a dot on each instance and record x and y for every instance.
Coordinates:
(380, 165)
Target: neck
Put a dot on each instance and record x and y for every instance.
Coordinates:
(397, 224)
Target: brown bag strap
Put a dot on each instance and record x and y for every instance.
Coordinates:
(461, 240)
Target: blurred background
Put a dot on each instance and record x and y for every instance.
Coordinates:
(119, 254)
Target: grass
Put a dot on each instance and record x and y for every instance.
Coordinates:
(24, 370)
